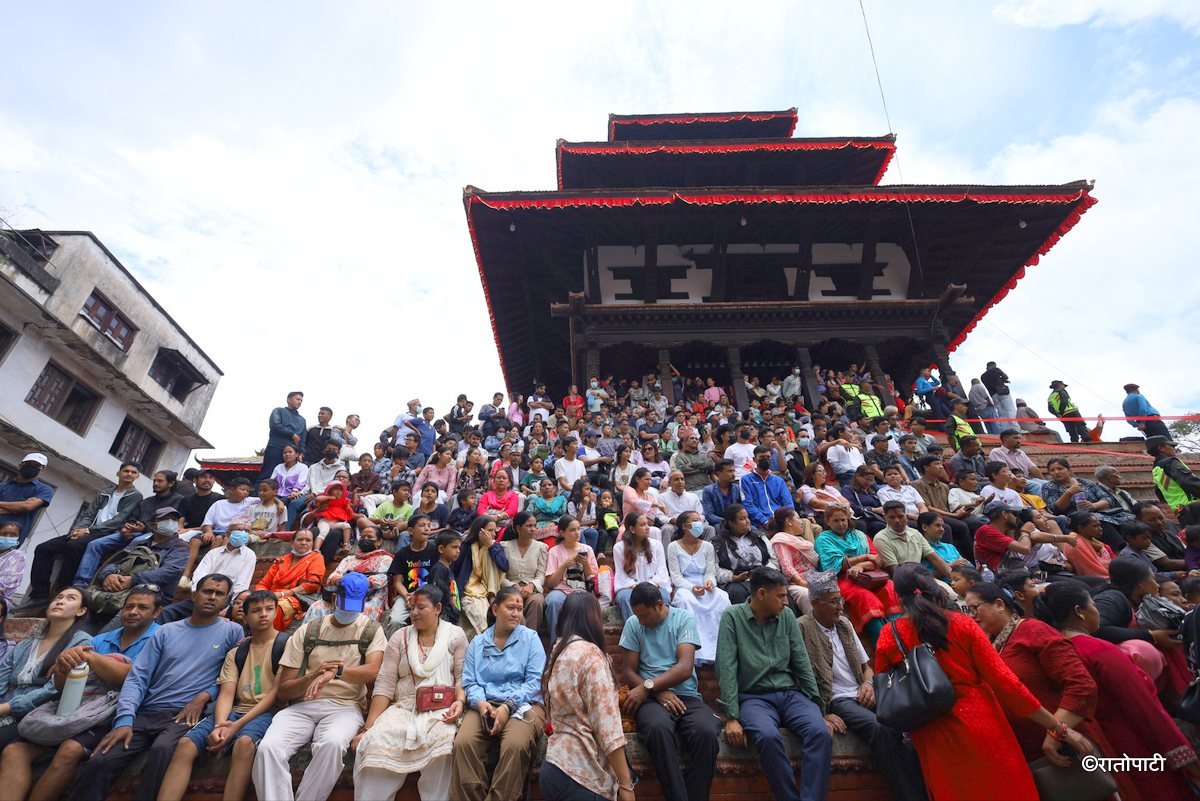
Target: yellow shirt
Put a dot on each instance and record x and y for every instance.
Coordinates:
(256, 679)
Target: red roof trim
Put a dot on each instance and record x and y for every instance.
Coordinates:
(626, 148)
(800, 197)
(887, 160)
(623, 148)
(487, 295)
(688, 119)
(1085, 203)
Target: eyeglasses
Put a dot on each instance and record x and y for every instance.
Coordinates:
(973, 609)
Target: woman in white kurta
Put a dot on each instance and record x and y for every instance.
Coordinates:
(692, 563)
(397, 740)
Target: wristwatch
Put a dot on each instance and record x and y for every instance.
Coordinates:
(649, 685)
(338, 675)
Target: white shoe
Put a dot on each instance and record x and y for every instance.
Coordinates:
(185, 583)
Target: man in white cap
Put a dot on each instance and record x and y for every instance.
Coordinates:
(21, 498)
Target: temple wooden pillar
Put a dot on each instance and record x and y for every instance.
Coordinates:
(881, 386)
(941, 356)
(740, 399)
(664, 374)
(591, 362)
(808, 378)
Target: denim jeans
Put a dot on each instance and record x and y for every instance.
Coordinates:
(97, 551)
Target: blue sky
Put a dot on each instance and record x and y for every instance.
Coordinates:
(286, 178)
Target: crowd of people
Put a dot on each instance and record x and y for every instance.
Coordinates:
(440, 605)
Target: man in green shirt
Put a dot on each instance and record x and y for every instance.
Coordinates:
(767, 681)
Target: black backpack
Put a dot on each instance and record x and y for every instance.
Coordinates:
(243, 652)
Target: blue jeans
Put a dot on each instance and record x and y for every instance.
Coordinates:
(761, 716)
(97, 551)
(590, 537)
(255, 730)
(554, 602)
(627, 609)
(295, 507)
(561, 787)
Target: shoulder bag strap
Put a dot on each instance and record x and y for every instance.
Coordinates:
(904, 652)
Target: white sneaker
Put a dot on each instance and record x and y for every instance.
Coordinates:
(185, 583)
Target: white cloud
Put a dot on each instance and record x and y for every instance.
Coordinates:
(1058, 13)
(294, 200)
(1110, 303)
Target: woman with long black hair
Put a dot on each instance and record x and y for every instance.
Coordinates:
(970, 752)
(1128, 709)
(585, 755)
(26, 679)
(527, 566)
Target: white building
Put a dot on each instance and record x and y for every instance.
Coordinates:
(93, 372)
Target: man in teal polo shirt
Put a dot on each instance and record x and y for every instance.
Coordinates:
(660, 644)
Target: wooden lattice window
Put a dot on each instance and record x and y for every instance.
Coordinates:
(112, 323)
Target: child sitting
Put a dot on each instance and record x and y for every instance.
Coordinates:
(608, 521)
(460, 519)
(449, 546)
(333, 512)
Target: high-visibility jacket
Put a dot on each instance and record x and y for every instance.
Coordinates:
(958, 428)
(1060, 403)
(870, 405)
(1175, 481)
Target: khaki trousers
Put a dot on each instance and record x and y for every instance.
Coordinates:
(469, 779)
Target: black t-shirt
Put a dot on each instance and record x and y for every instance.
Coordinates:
(440, 515)
(441, 577)
(995, 380)
(414, 565)
(195, 507)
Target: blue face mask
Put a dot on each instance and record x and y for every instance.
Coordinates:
(238, 538)
(697, 528)
(8, 543)
(344, 617)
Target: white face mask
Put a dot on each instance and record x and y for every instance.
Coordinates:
(167, 526)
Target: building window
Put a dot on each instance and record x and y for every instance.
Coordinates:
(58, 394)
(175, 374)
(136, 444)
(105, 316)
(7, 338)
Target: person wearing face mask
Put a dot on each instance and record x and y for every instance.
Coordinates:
(233, 559)
(762, 491)
(12, 560)
(102, 521)
(692, 565)
(792, 385)
(370, 560)
(295, 578)
(122, 574)
(21, 498)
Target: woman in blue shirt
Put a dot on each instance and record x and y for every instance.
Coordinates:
(502, 678)
(25, 672)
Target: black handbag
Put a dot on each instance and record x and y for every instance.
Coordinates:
(1071, 783)
(1189, 704)
(914, 692)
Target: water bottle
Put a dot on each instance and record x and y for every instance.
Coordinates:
(986, 572)
(72, 693)
(1076, 498)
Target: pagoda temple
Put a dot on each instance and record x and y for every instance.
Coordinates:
(722, 245)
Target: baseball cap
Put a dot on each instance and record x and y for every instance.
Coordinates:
(352, 592)
(997, 507)
(1153, 443)
(40, 458)
(166, 511)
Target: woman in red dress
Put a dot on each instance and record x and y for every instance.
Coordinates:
(1128, 710)
(970, 752)
(1049, 667)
